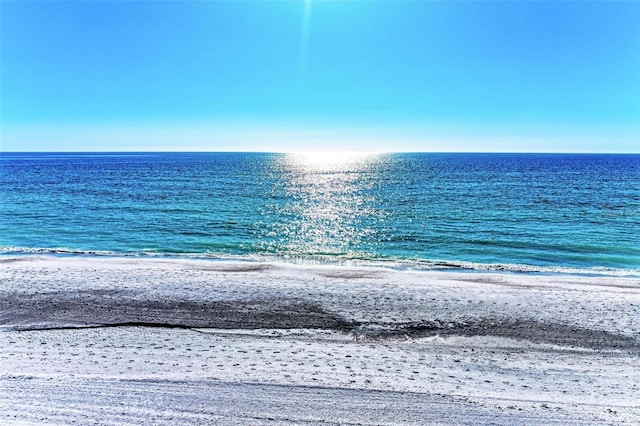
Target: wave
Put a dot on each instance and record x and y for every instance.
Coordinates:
(342, 260)
(54, 251)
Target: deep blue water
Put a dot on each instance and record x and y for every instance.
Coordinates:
(528, 212)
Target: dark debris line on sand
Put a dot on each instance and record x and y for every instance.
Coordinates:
(86, 309)
(523, 329)
(89, 309)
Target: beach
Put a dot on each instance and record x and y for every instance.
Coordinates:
(117, 340)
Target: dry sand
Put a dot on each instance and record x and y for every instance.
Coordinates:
(156, 341)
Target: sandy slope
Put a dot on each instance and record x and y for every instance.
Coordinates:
(204, 342)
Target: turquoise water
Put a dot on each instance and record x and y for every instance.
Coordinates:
(520, 212)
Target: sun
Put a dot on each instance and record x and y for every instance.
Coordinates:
(329, 159)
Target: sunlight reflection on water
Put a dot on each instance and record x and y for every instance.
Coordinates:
(329, 202)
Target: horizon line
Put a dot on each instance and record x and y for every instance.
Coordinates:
(303, 152)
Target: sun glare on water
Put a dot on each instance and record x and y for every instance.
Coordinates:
(327, 206)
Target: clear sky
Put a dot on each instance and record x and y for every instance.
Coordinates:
(542, 76)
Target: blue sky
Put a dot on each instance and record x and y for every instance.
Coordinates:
(320, 75)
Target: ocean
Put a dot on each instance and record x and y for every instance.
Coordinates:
(537, 213)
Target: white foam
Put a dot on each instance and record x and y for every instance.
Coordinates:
(344, 261)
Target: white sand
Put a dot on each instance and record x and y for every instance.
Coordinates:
(412, 347)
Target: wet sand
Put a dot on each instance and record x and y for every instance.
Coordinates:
(130, 341)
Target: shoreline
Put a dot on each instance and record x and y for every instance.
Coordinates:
(556, 349)
(11, 254)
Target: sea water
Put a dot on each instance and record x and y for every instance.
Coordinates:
(519, 212)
